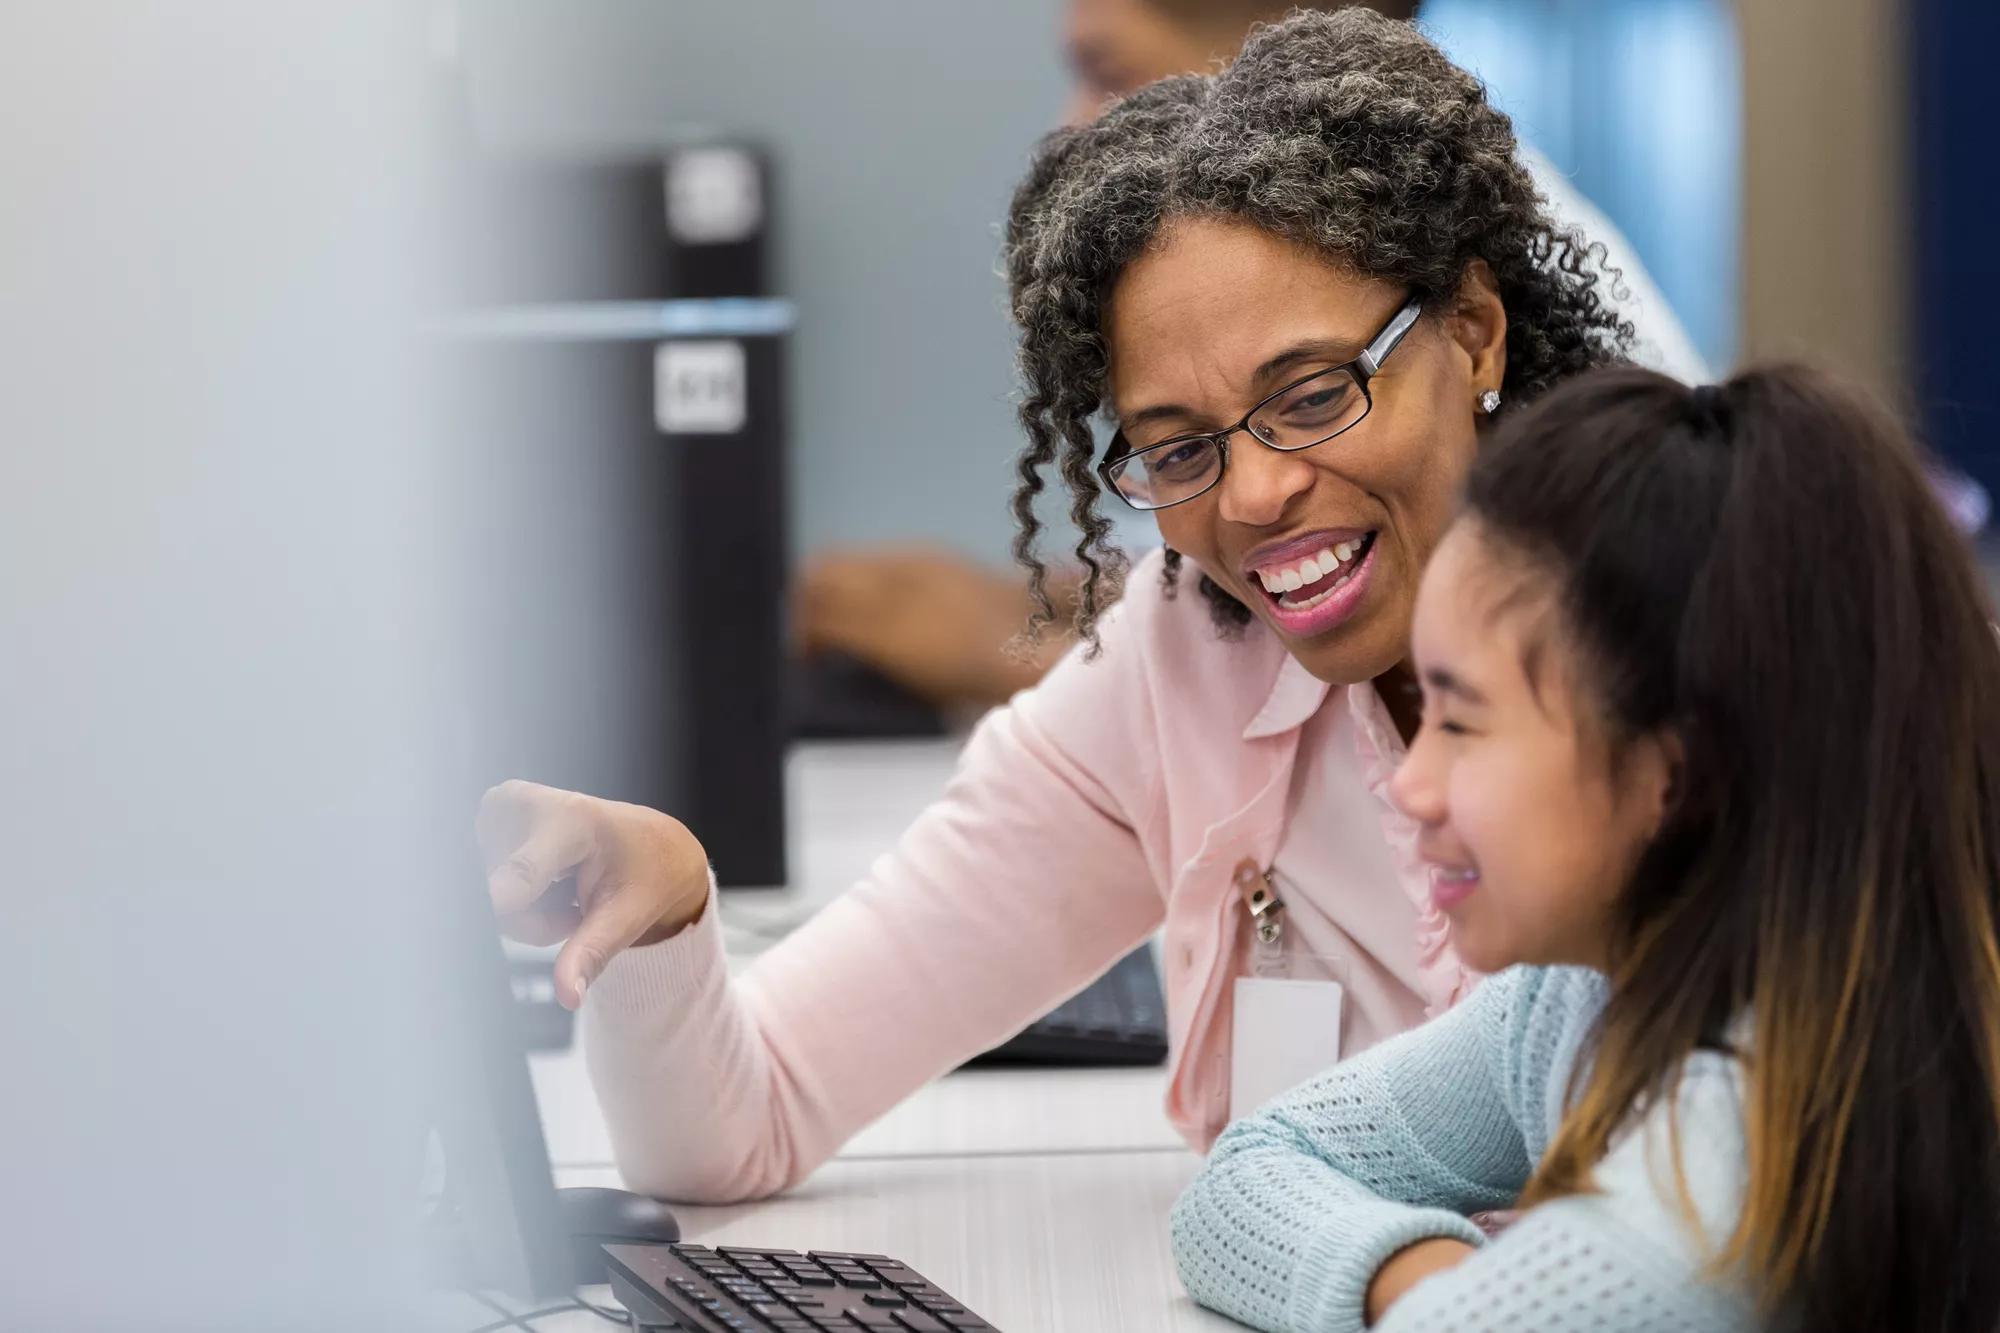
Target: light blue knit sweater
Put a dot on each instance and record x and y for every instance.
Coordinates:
(1301, 1203)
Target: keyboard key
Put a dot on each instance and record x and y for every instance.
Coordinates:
(964, 1319)
(867, 1318)
(862, 1283)
(884, 1300)
(919, 1322)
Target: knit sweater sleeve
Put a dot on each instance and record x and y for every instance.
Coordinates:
(1635, 1254)
(1301, 1202)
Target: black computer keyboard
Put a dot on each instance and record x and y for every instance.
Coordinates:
(694, 1288)
(1119, 1019)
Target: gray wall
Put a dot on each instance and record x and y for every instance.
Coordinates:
(898, 131)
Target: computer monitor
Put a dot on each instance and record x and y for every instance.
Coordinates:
(485, 1182)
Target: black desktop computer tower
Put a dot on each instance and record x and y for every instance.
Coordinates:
(617, 372)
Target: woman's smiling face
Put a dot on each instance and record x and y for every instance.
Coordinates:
(1220, 313)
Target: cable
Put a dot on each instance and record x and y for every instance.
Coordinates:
(526, 1318)
(523, 1321)
(621, 1318)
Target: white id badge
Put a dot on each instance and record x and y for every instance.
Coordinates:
(1285, 1032)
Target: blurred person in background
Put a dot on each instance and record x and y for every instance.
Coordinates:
(1301, 376)
(944, 626)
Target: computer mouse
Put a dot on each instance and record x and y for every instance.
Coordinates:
(598, 1217)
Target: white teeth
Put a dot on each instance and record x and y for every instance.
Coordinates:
(1312, 569)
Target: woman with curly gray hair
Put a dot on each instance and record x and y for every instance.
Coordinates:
(1291, 293)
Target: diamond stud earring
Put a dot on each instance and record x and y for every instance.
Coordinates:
(1489, 402)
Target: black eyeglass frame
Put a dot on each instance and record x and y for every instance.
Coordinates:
(1362, 369)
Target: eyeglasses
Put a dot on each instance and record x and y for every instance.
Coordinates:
(1304, 413)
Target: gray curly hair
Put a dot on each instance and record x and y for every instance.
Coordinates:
(1347, 132)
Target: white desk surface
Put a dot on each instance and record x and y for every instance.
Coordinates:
(1049, 1243)
(1039, 1197)
(976, 1111)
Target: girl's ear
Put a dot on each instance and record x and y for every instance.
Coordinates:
(1666, 766)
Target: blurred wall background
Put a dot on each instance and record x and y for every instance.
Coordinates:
(898, 132)
(1638, 103)
(1826, 202)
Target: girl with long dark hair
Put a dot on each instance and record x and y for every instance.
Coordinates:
(1711, 746)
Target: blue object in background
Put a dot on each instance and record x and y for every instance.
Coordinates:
(1955, 269)
(1637, 102)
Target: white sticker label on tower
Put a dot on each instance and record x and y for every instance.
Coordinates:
(713, 196)
(699, 388)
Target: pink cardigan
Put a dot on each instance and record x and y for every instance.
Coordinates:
(1114, 798)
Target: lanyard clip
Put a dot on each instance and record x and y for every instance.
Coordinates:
(1261, 900)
